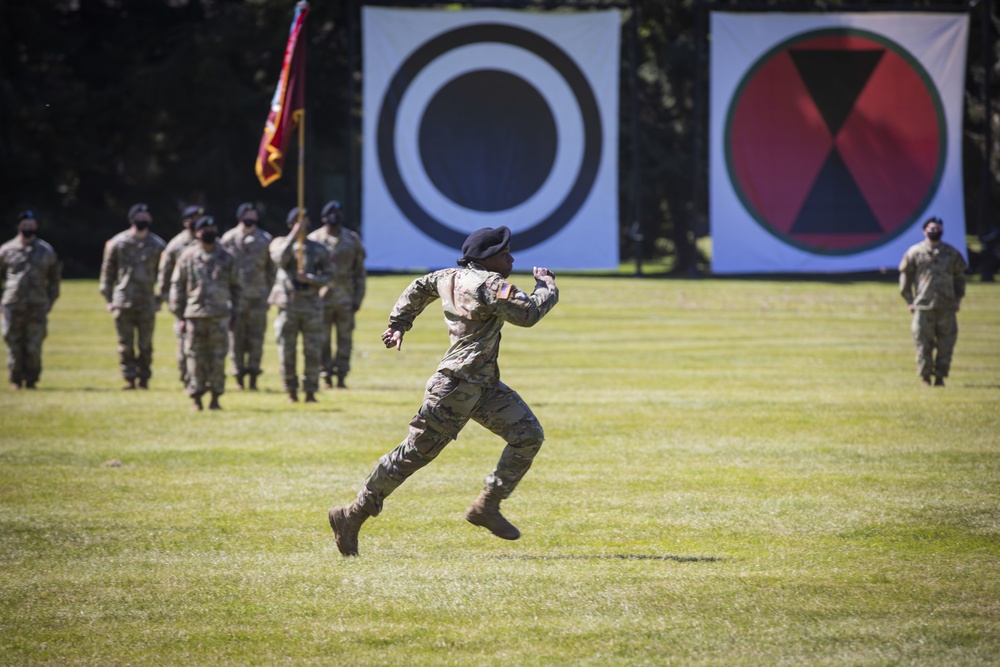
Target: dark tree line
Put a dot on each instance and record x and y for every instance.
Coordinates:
(104, 103)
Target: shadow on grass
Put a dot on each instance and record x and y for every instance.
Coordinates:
(655, 557)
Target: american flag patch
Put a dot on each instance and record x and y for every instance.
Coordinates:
(504, 291)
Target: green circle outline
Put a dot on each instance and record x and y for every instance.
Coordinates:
(938, 108)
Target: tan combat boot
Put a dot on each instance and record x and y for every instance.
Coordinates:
(129, 384)
(485, 512)
(346, 522)
(311, 397)
(214, 404)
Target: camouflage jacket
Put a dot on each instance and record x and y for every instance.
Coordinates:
(204, 284)
(128, 272)
(348, 257)
(253, 262)
(168, 260)
(932, 278)
(287, 291)
(29, 273)
(476, 305)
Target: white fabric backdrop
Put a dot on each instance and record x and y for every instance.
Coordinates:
(741, 244)
(397, 42)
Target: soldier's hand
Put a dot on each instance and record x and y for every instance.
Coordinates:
(912, 308)
(303, 277)
(392, 338)
(182, 326)
(110, 308)
(541, 273)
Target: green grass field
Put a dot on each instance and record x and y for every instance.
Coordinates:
(735, 473)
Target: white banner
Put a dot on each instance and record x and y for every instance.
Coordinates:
(482, 118)
(833, 137)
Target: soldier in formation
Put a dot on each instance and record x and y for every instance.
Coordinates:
(204, 294)
(477, 302)
(128, 284)
(343, 296)
(168, 260)
(302, 270)
(248, 244)
(29, 278)
(932, 282)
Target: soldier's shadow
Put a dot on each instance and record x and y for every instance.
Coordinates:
(647, 557)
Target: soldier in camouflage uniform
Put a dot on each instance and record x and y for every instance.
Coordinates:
(128, 282)
(204, 294)
(168, 260)
(29, 278)
(932, 282)
(300, 310)
(248, 244)
(343, 297)
(477, 301)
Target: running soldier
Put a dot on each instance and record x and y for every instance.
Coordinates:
(477, 301)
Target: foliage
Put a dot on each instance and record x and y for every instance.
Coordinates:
(104, 103)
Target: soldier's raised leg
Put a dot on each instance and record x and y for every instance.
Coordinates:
(447, 404)
(504, 413)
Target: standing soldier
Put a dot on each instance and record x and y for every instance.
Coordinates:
(300, 311)
(29, 276)
(128, 281)
(343, 297)
(249, 247)
(168, 260)
(932, 282)
(477, 301)
(204, 294)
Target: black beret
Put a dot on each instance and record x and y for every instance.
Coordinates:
(204, 221)
(331, 208)
(137, 208)
(245, 207)
(24, 215)
(293, 215)
(930, 220)
(484, 243)
(192, 212)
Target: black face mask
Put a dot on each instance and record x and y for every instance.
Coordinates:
(208, 237)
(249, 223)
(29, 233)
(935, 235)
(141, 225)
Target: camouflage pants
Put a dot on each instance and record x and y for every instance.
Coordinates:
(24, 329)
(246, 340)
(341, 316)
(205, 345)
(135, 341)
(181, 356)
(934, 329)
(288, 325)
(449, 404)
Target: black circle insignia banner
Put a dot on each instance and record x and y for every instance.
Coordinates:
(479, 34)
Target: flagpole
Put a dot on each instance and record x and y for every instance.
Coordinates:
(302, 187)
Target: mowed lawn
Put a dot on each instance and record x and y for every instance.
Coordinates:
(735, 473)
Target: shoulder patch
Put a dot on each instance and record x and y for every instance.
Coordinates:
(504, 291)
